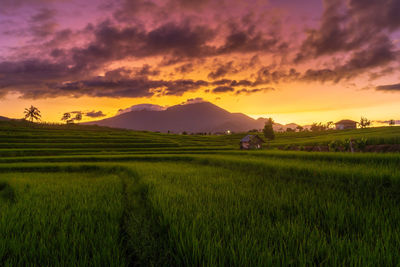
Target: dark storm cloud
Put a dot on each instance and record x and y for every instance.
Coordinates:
(350, 26)
(44, 14)
(222, 70)
(252, 91)
(389, 87)
(395, 121)
(100, 87)
(95, 114)
(147, 70)
(53, 66)
(222, 89)
(331, 37)
(266, 75)
(36, 79)
(133, 87)
(40, 25)
(222, 82)
(381, 73)
(185, 68)
(58, 39)
(112, 42)
(131, 7)
(179, 87)
(43, 29)
(91, 114)
(115, 43)
(251, 40)
(233, 83)
(174, 41)
(322, 75)
(379, 13)
(125, 73)
(379, 53)
(242, 83)
(43, 23)
(31, 72)
(193, 101)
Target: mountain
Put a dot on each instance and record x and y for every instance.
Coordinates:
(192, 118)
(283, 127)
(4, 118)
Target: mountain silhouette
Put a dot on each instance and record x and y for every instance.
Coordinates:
(4, 118)
(192, 118)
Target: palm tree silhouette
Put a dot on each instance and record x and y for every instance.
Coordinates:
(67, 118)
(32, 113)
(78, 117)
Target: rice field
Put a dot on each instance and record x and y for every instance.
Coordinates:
(101, 197)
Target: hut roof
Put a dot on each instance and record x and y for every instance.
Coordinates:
(251, 137)
(345, 122)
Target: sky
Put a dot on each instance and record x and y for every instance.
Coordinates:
(295, 61)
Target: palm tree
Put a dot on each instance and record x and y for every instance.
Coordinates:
(66, 117)
(364, 122)
(78, 116)
(32, 113)
(329, 124)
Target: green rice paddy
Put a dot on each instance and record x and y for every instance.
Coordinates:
(90, 196)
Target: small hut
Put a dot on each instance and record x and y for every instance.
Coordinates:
(251, 142)
(346, 124)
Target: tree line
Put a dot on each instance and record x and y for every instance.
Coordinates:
(33, 114)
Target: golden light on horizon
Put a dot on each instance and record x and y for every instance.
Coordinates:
(285, 69)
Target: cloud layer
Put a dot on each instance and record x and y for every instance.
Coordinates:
(145, 48)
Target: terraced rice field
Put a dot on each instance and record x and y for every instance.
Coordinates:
(91, 196)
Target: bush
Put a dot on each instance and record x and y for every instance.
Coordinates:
(361, 143)
(335, 146)
(347, 143)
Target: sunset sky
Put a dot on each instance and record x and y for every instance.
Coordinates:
(296, 61)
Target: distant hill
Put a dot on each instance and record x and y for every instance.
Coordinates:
(4, 118)
(283, 127)
(193, 118)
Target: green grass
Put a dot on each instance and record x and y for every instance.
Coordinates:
(27, 139)
(61, 219)
(93, 196)
(374, 136)
(243, 219)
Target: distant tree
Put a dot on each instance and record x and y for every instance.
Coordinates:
(299, 128)
(290, 130)
(317, 127)
(364, 122)
(314, 127)
(67, 117)
(184, 133)
(329, 124)
(392, 122)
(78, 117)
(32, 113)
(269, 129)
